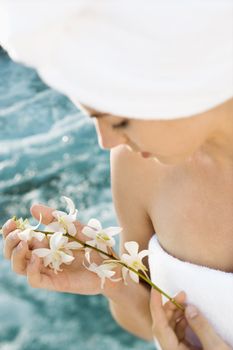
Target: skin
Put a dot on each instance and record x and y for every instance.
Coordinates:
(181, 182)
(169, 326)
(191, 162)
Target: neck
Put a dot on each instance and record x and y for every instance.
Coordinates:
(219, 141)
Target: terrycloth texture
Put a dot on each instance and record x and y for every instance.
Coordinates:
(210, 290)
(148, 60)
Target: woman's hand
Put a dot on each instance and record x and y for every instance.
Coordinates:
(74, 278)
(169, 326)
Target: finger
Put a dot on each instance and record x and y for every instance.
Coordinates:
(199, 324)
(20, 256)
(159, 320)
(9, 226)
(171, 310)
(35, 278)
(160, 325)
(10, 243)
(180, 328)
(176, 317)
(155, 301)
(45, 211)
(179, 298)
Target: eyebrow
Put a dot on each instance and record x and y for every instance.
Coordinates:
(95, 114)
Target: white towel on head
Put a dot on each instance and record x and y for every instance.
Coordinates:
(209, 289)
(148, 60)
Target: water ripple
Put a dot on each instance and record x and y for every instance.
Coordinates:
(49, 149)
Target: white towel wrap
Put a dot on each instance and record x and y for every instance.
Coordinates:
(209, 289)
(159, 59)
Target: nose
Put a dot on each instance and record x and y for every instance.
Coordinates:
(109, 138)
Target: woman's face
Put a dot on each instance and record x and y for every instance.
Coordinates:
(169, 141)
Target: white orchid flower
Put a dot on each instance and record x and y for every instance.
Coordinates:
(59, 251)
(65, 222)
(134, 260)
(22, 224)
(27, 232)
(100, 238)
(103, 271)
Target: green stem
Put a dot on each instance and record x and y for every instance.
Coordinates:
(112, 257)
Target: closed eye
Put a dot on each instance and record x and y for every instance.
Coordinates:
(123, 124)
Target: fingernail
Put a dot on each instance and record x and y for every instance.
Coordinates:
(19, 246)
(13, 236)
(191, 312)
(7, 224)
(179, 319)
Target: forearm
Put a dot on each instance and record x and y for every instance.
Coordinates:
(130, 307)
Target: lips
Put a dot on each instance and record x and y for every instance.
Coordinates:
(145, 154)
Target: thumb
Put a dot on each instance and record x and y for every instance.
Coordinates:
(33, 271)
(202, 328)
(45, 211)
(47, 216)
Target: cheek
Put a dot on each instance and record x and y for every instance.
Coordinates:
(164, 142)
(145, 140)
(137, 137)
(102, 129)
(107, 137)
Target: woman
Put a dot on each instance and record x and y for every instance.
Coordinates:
(158, 85)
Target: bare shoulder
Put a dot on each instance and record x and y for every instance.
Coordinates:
(129, 190)
(126, 162)
(129, 168)
(126, 172)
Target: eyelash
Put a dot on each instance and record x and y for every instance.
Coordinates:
(122, 125)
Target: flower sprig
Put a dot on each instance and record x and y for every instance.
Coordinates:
(63, 238)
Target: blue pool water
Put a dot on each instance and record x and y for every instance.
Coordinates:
(48, 149)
